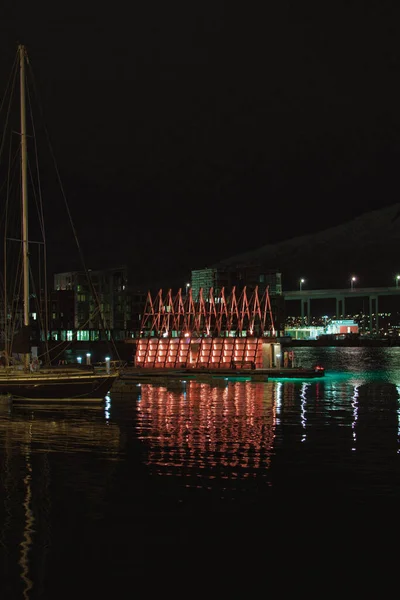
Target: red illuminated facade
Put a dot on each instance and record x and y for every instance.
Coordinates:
(224, 331)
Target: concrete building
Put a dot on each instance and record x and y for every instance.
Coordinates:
(91, 309)
(241, 276)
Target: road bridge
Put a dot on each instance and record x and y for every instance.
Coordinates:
(340, 296)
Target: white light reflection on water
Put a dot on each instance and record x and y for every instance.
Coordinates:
(303, 397)
(26, 544)
(354, 404)
(278, 401)
(184, 388)
(107, 408)
(398, 418)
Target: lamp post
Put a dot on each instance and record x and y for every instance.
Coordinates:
(301, 283)
(397, 280)
(353, 280)
(187, 288)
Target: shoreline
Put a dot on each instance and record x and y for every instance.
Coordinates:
(360, 342)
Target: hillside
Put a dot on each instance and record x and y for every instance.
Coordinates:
(366, 247)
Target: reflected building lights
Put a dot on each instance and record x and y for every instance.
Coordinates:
(398, 419)
(354, 403)
(26, 544)
(32, 439)
(207, 426)
(107, 407)
(278, 402)
(139, 396)
(303, 397)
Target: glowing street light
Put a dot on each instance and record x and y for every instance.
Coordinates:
(301, 283)
(397, 280)
(353, 280)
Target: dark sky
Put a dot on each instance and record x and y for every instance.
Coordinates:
(185, 133)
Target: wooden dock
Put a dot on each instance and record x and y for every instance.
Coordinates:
(137, 374)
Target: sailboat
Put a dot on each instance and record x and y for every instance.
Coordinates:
(28, 379)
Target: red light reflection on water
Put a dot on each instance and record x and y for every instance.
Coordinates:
(225, 430)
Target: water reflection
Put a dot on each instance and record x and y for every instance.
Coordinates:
(29, 437)
(176, 462)
(362, 364)
(303, 397)
(355, 415)
(234, 431)
(206, 431)
(27, 541)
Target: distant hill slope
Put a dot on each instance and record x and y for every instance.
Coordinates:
(367, 247)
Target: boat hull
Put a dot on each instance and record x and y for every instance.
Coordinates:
(60, 386)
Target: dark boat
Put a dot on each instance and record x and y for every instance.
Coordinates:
(56, 385)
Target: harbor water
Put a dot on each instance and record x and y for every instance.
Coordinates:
(176, 479)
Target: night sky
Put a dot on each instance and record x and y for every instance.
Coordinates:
(185, 133)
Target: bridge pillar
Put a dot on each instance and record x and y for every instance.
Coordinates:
(340, 307)
(305, 308)
(373, 308)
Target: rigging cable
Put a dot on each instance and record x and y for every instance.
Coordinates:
(93, 290)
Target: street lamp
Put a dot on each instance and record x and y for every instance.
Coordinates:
(397, 280)
(353, 280)
(301, 283)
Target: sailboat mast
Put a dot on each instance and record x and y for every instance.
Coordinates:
(25, 249)
(24, 182)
